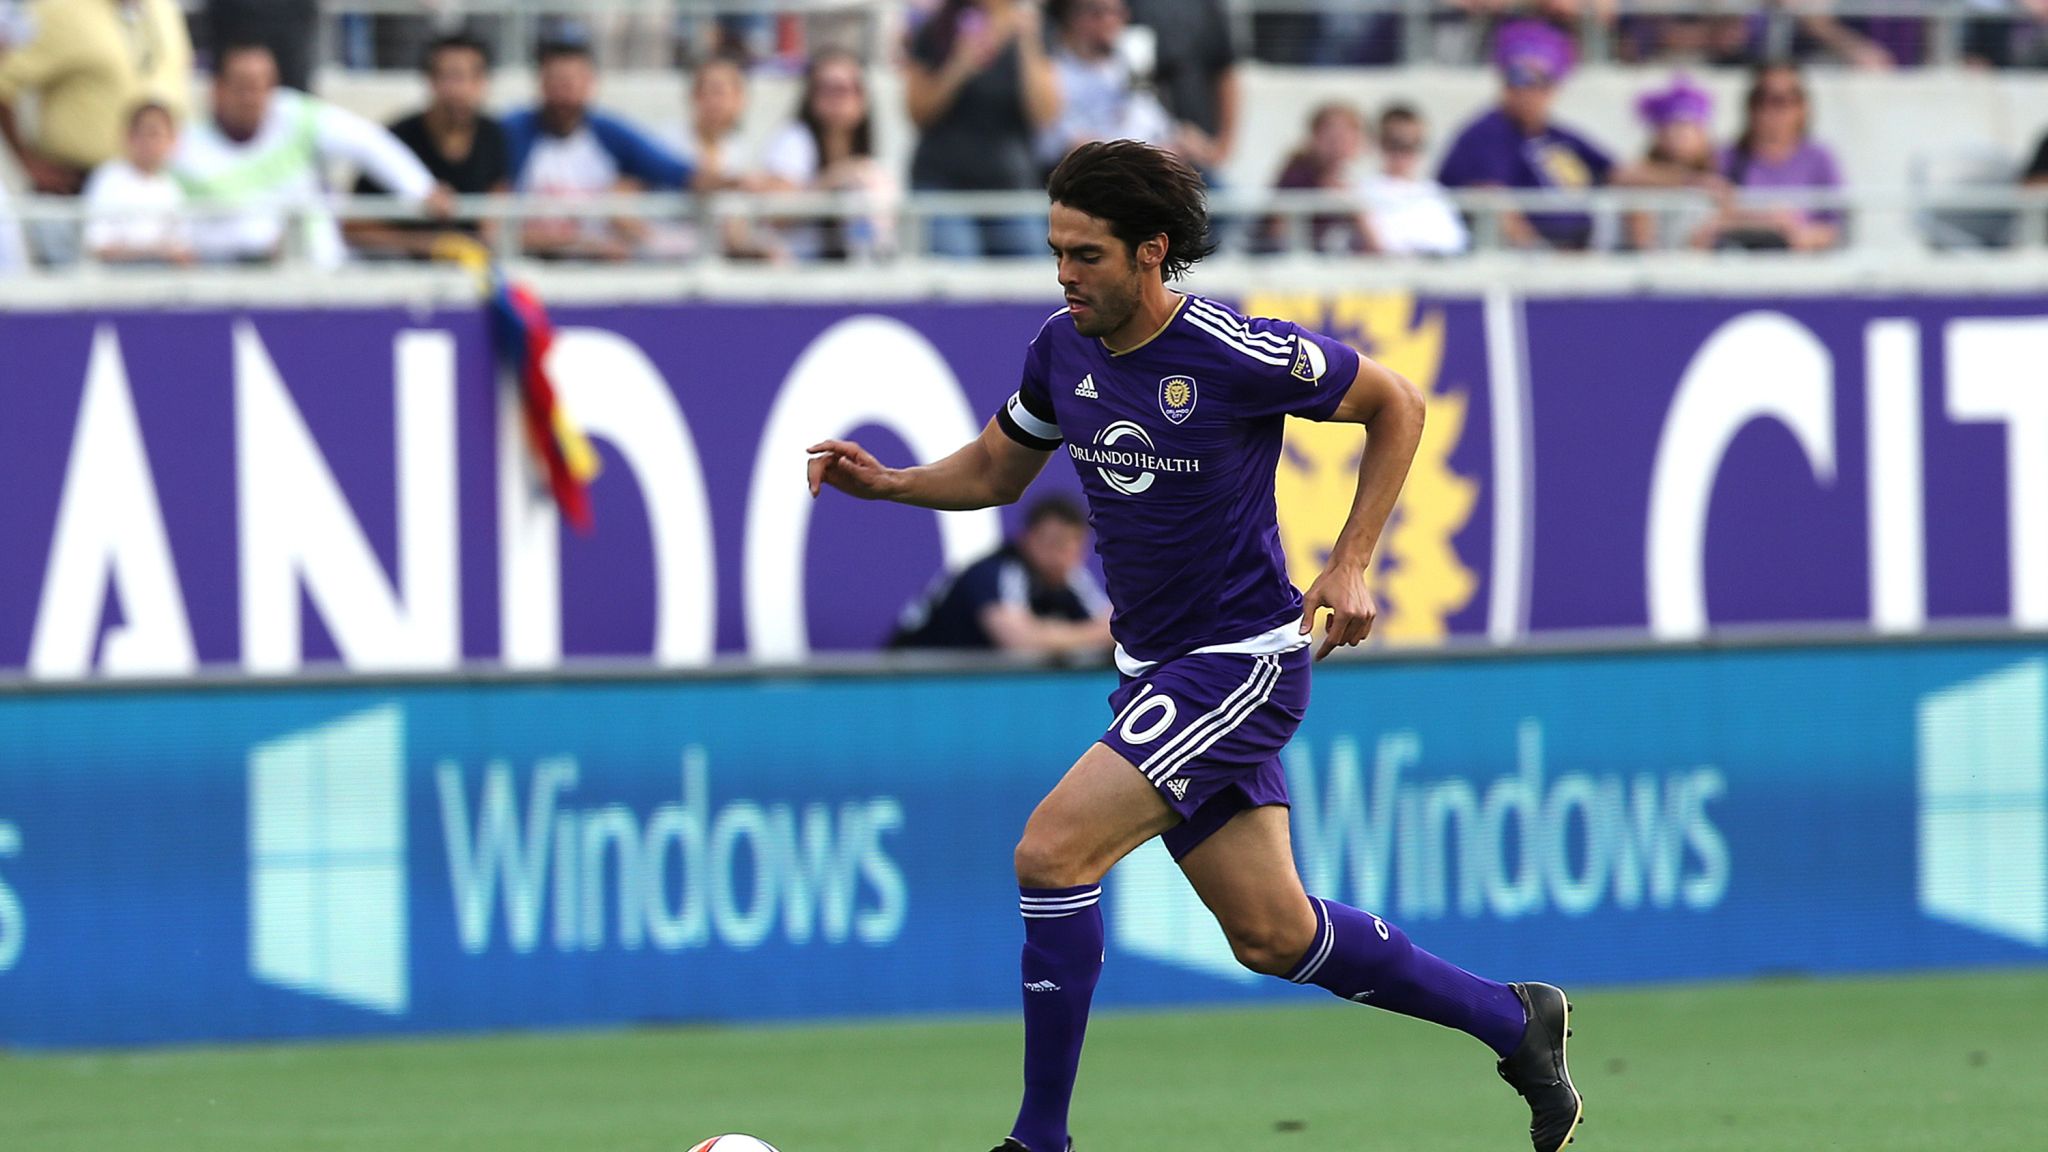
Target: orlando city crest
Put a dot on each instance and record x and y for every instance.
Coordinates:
(1177, 397)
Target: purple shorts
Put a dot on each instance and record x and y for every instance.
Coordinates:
(1207, 730)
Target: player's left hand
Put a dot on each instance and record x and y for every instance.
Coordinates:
(1342, 590)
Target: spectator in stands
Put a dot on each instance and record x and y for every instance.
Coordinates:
(980, 88)
(1033, 596)
(1325, 162)
(1775, 152)
(135, 211)
(1409, 213)
(830, 147)
(712, 143)
(257, 165)
(289, 28)
(1099, 97)
(1681, 155)
(462, 146)
(1195, 68)
(567, 149)
(1517, 145)
(86, 66)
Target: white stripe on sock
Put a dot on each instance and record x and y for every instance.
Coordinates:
(1323, 946)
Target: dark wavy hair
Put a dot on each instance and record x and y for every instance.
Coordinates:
(863, 143)
(1142, 191)
(454, 42)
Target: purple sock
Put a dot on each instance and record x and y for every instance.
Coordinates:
(1062, 961)
(1361, 957)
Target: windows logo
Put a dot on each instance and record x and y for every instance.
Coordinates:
(1983, 751)
(327, 903)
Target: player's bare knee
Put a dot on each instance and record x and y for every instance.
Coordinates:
(1043, 862)
(1270, 947)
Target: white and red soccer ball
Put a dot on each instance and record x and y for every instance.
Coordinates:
(734, 1144)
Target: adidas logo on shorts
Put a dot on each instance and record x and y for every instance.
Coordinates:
(1178, 787)
(1041, 986)
(1086, 388)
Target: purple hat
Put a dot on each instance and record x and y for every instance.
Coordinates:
(1530, 52)
(1682, 101)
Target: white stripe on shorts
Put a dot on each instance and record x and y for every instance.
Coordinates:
(1223, 727)
(1229, 702)
(1197, 737)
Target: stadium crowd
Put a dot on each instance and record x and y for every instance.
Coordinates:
(997, 90)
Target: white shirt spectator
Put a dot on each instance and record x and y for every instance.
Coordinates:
(1099, 101)
(128, 209)
(572, 165)
(1412, 217)
(791, 154)
(257, 184)
(731, 149)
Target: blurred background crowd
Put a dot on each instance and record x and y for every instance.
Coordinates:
(248, 131)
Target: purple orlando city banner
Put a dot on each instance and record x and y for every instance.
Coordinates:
(271, 490)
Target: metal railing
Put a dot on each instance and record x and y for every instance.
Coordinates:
(1902, 223)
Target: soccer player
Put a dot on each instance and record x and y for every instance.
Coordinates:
(1171, 407)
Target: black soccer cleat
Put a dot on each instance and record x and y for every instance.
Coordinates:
(1010, 1144)
(1538, 1071)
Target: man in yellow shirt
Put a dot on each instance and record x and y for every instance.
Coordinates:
(89, 62)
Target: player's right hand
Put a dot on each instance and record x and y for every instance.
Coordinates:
(848, 467)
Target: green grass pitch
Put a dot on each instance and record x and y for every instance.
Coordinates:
(1917, 1064)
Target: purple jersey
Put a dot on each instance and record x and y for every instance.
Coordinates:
(1176, 442)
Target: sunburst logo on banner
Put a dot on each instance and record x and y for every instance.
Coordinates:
(1417, 574)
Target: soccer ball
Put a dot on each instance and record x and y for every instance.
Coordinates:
(734, 1144)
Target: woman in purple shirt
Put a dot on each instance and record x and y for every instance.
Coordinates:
(1775, 152)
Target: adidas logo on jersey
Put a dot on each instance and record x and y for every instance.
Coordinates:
(1041, 986)
(1179, 788)
(1086, 388)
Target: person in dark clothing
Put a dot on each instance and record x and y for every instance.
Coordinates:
(464, 148)
(980, 88)
(1518, 145)
(1032, 596)
(289, 28)
(1196, 73)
